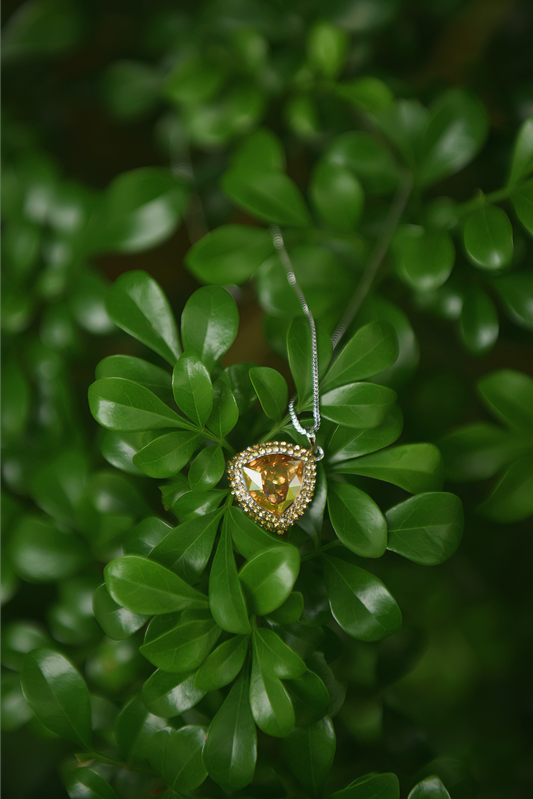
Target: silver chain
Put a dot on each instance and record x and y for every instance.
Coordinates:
(309, 432)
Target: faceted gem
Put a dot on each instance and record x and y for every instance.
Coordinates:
(274, 481)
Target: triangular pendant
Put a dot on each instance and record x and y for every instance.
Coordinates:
(273, 483)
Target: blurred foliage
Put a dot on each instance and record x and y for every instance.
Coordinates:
(147, 147)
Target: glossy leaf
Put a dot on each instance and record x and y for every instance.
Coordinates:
(429, 788)
(404, 123)
(512, 498)
(336, 690)
(58, 696)
(270, 702)
(144, 586)
(225, 412)
(40, 552)
(488, 238)
(349, 442)
(357, 520)
(313, 518)
(128, 407)
(180, 643)
(310, 698)
(249, 538)
(209, 323)
(358, 404)
(229, 254)
(186, 548)
(423, 259)
(270, 196)
(371, 786)
(268, 578)
(271, 390)
(230, 751)
(337, 196)
(117, 622)
(119, 448)
(168, 695)
(84, 783)
(192, 388)
(327, 45)
(145, 536)
(207, 469)
(226, 598)
(192, 504)
(223, 665)
(372, 349)
(427, 528)
(262, 150)
(299, 353)
(370, 93)
(360, 603)
(508, 394)
(479, 322)
(134, 729)
(167, 454)
(522, 160)
(515, 291)
(138, 371)
(522, 199)
(137, 304)
(275, 657)
(310, 751)
(290, 611)
(413, 467)
(365, 156)
(177, 756)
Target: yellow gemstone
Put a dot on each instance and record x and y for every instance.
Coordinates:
(274, 481)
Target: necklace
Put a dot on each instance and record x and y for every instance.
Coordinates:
(274, 482)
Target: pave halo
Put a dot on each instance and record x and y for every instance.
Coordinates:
(273, 483)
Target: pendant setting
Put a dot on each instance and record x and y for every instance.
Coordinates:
(273, 482)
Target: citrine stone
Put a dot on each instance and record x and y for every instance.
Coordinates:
(274, 481)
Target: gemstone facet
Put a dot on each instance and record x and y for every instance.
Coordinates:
(273, 483)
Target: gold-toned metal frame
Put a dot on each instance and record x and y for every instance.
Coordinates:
(266, 518)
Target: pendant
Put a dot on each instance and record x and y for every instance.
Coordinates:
(273, 483)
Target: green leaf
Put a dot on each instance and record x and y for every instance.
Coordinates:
(370, 93)
(310, 698)
(140, 209)
(229, 254)
(145, 536)
(327, 46)
(371, 786)
(249, 538)
(512, 498)
(423, 259)
(456, 130)
(268, 578)
(372, 349)
(119, 448)
(272, 391)
(146, 587)
(169, 695)
(360, 603)
(192, 388)
(16, 402)
(137, 304)
(337, 196)
(365, 156)
(117, 622)
(58, 696)
(310, 752)
(166, 455)
(207, 469)
(276, 658)
(261, 151)
(404, 123)
(270, 702)
(357, 520)
(138, 371)
(209, 324)
(427, 528)
(270, 196)
(84, 783)
(290, 611)
(349, 442)
(299, 352)
(336, 690)
(130, 88)
(488, 238)
(358, 404)
(40, 552)
(230, 751)
(508, 394)
(225, 413)
(414, 467)
(479, 322)
(522, 161)
(58, 485)
(223, 665)
(177, 756)
(180, 642)
(429, 788)
(515, 291)
(128, 407)
(478, 451)
(313, 518)
(186, 548)
(522, 199)
(135, 728)
(226, 598)
(191, 504)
